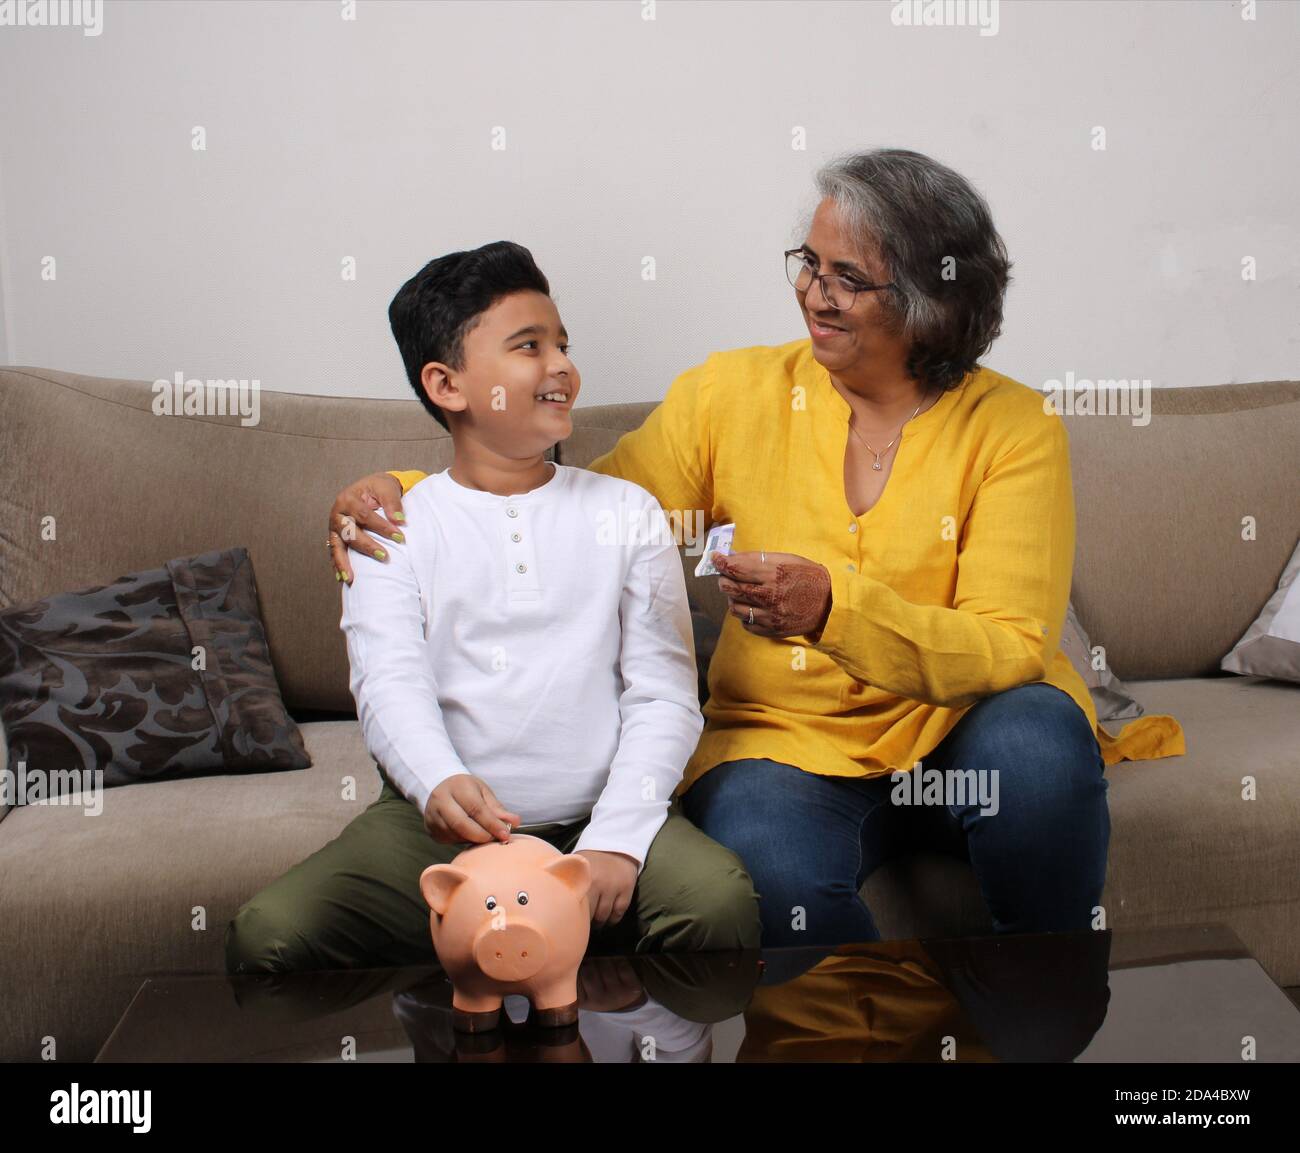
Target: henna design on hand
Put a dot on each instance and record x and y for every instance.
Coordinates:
(796, 596)
(801, 594)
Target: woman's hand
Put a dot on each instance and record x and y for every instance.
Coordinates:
(354, 509)
(790, 595)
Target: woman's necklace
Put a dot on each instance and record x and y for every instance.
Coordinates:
(890, 445)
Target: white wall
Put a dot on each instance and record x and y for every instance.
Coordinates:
(628, 138)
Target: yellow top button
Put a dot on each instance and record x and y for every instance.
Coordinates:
(853, 527)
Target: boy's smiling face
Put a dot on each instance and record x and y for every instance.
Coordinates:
(516, 352)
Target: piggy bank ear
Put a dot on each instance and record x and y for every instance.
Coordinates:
(438, 883)
(572, 870)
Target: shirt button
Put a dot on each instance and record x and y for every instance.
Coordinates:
(521, 567)
(515, 536)
(512, 512)
(848, 568)
(853, 527)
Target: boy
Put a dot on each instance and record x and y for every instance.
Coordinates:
(521, 660)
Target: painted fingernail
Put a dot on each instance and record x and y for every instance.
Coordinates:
(380, 554)
(338, 576)
(399, 537)
(399, 516)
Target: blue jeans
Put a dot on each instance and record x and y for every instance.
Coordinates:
(809, 841)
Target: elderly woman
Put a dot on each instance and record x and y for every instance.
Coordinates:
(902, 558)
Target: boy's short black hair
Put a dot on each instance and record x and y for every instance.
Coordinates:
(434, 310)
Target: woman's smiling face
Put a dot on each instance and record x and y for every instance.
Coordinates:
(860, 335)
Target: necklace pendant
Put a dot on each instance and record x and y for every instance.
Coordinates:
(876, 466)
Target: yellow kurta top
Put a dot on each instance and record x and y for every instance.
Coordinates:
(952, 586)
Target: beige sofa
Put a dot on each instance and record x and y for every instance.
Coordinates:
(1163, 578)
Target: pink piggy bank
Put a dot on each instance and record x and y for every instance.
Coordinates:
(510, 917)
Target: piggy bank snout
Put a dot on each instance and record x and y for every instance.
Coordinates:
(513, 953)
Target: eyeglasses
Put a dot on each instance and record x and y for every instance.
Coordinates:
(840, 291)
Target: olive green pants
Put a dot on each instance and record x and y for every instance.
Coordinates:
(356, 903)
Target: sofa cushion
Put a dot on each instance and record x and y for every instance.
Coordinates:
(1271, 646)
(179, 485)
(1110, 697)
(1183, 525)
(116, 895)
(102, 681)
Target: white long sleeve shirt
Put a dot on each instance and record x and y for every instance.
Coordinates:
(540, 641)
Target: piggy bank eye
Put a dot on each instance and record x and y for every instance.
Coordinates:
(521, 897)
(491, 903)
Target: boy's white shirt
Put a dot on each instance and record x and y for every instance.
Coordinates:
(559, 667)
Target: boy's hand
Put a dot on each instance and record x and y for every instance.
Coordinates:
(354, 509)
(464, 808)
(613, 878)
(610, 985)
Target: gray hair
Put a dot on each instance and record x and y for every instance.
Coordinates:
(922, 218)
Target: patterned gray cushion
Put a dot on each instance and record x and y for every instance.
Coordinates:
(103, 679)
